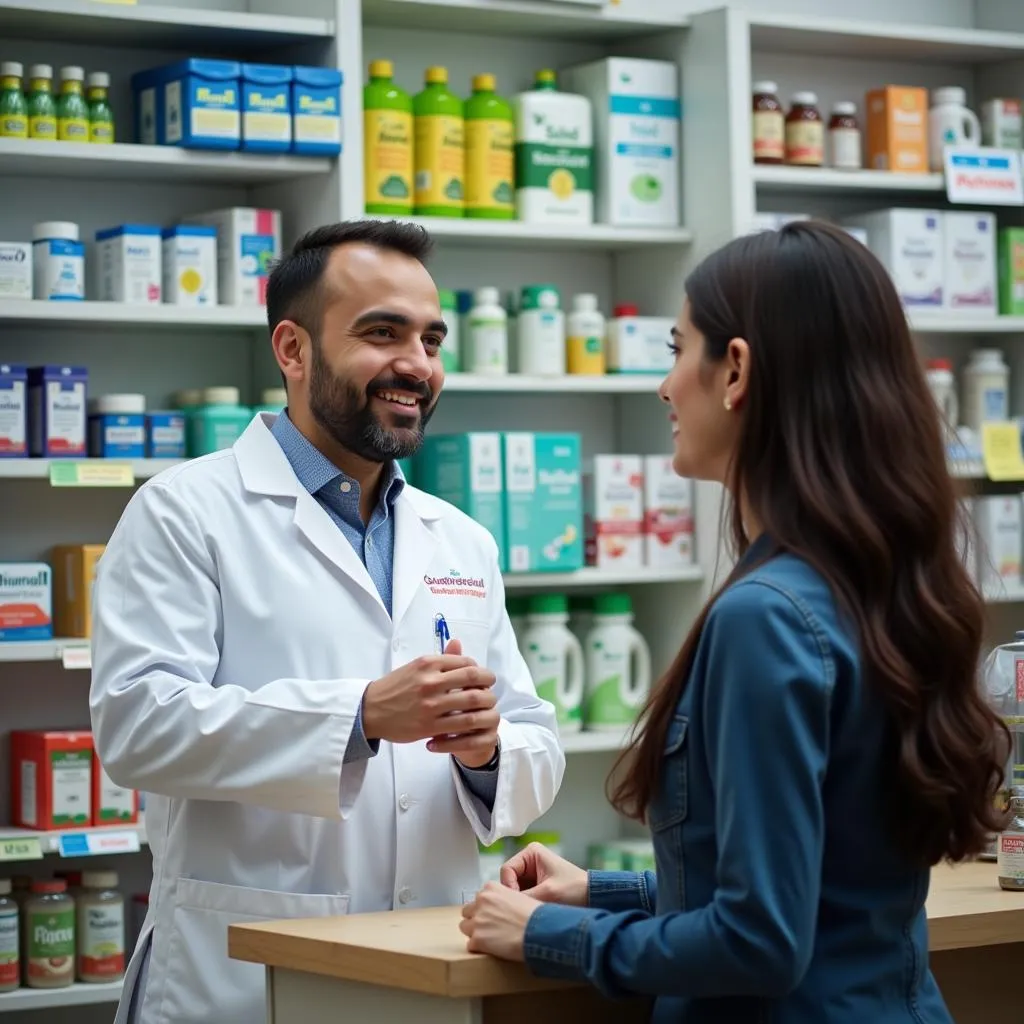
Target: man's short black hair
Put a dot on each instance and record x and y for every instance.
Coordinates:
(293, 288)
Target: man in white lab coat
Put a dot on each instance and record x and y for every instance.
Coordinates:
(271, 653)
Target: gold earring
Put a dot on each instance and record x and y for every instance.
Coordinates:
(728, 404)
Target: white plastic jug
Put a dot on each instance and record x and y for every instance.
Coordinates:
(950, 123)
(618, 666)
(555, 658)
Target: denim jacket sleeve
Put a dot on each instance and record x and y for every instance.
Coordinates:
(622, 890)
(770, 670)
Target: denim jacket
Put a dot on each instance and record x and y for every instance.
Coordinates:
(779, 894)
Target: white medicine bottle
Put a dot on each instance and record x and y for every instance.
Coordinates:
(986, 384)
(586, 343)
(541, 332)
(488, 333)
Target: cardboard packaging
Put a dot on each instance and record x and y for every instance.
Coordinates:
(74, 574)
(639, 344)
(15, 270)
(26, 601)
(1011, 272)
(969, 243)
(13, 411)
(57, 417)
(668, 515)
(897, 137)
(614, 496)
(130, 264)
(51, 779)
(111, 804)
(999, 538)
(248, 242)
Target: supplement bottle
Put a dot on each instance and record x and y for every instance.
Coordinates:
(488, 334)
(1010, 854)
(769, 125)
(986, 383)
(72, 110)
(218, 422)
(440, 149)
(541, 332)
(844, 141)
(48, 921)
(100, 922)
(450, 358)
(490, 174)
(10, 955)
(42, 109)
(942, 384)
(805, 131)
(555, 658)
(101, 117)
(586, 341)
(387, 143)
(618, 666)
(13, 106)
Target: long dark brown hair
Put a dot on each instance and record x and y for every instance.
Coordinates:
(841, 459)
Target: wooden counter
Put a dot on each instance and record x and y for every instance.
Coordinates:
(413, 964)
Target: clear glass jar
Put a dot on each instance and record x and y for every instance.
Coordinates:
(48, 920)
(10, 958)
(100, 928)
(1010, 855)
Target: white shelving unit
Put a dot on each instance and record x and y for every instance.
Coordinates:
(39, 469)
(123, 314)
(35, 999)
(50, 842)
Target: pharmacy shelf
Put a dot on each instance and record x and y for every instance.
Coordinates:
(76, 651)
(518, 383)
(777, 178)
(491, 234)
(591, 576)
(522, 17)
(878, 40)
(25, 158)
(123, 314)
(49, 842)
(39, 469)
(1005, 595)
(594, 742)
(956, 323)
(202, 32)
(51, 998)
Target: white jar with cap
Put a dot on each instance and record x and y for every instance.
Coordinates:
(272, 400)
(541, 332)
(99, 909)
(986, 389)
(488, 334)
(950, 123)
(585, 346)
(58, 262)
(117, 426)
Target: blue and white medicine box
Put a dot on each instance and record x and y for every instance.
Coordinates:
(165, 435)
(26, 601)
(56, 411)
(195, 103)
(13, 411)
(117, 427)
(316, 111)
(266, 108)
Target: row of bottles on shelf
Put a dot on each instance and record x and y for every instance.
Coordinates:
(222, 256)
(80, 112)
(903, 133)
(607, 149)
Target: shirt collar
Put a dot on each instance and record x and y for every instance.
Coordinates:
(315, 471)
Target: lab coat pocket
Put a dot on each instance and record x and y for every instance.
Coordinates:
(202, 982)
(475, 637)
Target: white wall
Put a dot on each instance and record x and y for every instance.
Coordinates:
(955, 13)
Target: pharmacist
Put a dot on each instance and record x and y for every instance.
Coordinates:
(306, 662)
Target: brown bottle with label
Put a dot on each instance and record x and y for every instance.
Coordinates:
(769, 125)
(805, 132)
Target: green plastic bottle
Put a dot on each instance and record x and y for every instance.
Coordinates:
(490, 131)
(440, 151)
(42, 110)
(101, 117)
(72, 110)
(387, 143)
(13, 107)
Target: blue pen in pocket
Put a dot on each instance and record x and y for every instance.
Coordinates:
(441, 634)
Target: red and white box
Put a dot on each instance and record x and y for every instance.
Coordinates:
(613, 495)
(668, 514)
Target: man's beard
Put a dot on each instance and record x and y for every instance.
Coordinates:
(345, 413)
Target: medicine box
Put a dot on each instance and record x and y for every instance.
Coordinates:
(316, 111)
(13, 411)
(1011, 272)
(129, 264)
(111, 804)
(165, 435)
(636, 136)
(57, 411)
(58, 270)
(910, 245)
(74, 574)
(614, 501)
(543, 502)
(189, 258)
(639, 344)
(15, 270)
(26, 601)
(969, 285)
(897, 129)
(266, 108)
(999, 537)
(668, 514)
(51, 779)
(248, 242)
(194, 103)
(465, 470)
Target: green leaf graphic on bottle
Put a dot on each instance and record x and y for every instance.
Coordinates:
(646, 188)
(503, 193)
(453, 190)
(605, 705)
(394, 188)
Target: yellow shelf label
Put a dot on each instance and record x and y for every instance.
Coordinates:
(98, 473)
(20, 849)
(1000, 443)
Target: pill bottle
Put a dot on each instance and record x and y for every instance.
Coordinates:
(48, 920)
(58, 262)
(986, 383)
(100, 920)
(117, 427)
(844, 139)
(805, 131)
(769, 125)
(541, 332)
(488, 333)
(585, 346)
(218, 422)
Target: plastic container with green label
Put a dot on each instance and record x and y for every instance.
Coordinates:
(13, 106)
(490, 159)
(101, 117)
(451, 361)
(42, 108)
(272, 400)
(218, 422)
(440, 149)
(72, 110)
(387, 143)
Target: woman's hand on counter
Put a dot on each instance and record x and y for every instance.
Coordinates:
(495, 922)
(545, 876)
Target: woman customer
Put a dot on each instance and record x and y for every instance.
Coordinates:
(820, 741)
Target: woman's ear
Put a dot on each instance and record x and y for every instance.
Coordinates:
(737, 362)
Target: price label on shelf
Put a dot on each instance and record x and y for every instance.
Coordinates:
(94, 844)
(77, 657)
(1000, 445)
(98, 473)
(983, 176)
(27, 848)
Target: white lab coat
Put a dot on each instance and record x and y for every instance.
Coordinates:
(234, 632)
